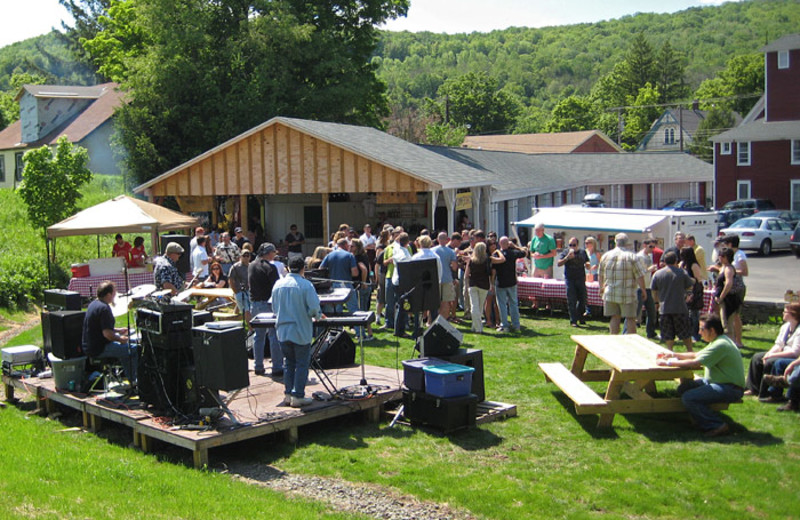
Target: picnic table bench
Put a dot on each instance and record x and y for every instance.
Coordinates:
(631, 377)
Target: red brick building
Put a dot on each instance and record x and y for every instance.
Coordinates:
(760, 158)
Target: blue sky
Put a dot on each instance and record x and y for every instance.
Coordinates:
(22, 19)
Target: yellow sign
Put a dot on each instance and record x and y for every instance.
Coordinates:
(463, 201)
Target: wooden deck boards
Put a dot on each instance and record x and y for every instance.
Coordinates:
(258, 407)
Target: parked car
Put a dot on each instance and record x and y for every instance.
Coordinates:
(683, 205)
(792, 217)
(794, 242)
(736, 209)
(761, 233)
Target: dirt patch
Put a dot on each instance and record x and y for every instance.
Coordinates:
(15, 328)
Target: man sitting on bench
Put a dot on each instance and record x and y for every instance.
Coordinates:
(100, 339)
(722, 382)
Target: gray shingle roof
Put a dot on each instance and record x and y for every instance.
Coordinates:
(519, 175)
(393, 152)
(787, 43)
(761, 131)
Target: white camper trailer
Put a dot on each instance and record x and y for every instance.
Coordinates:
(604, 223)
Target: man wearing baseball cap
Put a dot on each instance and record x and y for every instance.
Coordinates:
(166, 272)
(262, 276)
(240, 239)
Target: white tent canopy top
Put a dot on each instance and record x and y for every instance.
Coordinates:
(122, 214)
(594, 219)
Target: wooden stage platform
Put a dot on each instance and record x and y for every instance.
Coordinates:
(259, 408)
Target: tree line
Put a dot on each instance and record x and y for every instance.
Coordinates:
(198, 72)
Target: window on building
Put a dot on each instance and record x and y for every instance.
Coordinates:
(743, 154)
(743, 190)
(2, 168)
(794, 195)
(725, 148)
(18, 166)
(669, 136)
(795, 151)
(312, 222)
(783, 59)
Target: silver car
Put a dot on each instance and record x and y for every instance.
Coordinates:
(761, 233)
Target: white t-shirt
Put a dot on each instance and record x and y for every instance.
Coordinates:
(198, 255)
(368, 241)
(738, 258)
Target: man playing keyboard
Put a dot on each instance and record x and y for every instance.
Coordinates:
(295, 304)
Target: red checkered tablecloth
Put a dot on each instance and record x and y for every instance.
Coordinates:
(549, 291)
(87, 286)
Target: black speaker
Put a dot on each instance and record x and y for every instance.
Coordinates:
(445, 413)
(182, 264)
(62, 300)
(419, 279)
(200, 318)
(220, 358)
(164, 377)
(335, 349)
(471, 357)
(62, 333)
(440, 339)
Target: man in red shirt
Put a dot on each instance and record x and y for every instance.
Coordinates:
(121, 249)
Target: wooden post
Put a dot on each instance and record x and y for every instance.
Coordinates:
(326, 219)
(243, 212)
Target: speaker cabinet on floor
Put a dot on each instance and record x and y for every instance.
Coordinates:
(220, 358)
(62, 333)
(335, 349)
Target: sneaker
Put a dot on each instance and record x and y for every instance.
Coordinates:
(299, 402)
(776, 381)
(719, 430)
(502, 329)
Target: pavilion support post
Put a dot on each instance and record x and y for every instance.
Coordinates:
(434, 201)
(326, 218)
(243, 212)
(450, 201)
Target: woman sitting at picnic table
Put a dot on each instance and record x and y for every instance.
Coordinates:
(786, 347)
(216, 278)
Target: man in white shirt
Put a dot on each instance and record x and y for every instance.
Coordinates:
(200, 259)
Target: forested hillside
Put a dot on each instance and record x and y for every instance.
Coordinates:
(535, 69)
(543, 66)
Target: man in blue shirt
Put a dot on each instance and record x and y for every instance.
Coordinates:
(449, 263)
(295, 303)
(342, 266)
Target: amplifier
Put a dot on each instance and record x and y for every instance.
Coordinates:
(161, 322)
(220, 357)
(62, 300)
(446, 413)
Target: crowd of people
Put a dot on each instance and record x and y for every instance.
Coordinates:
(478, 276)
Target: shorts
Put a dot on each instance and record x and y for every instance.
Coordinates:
(673, 325)
(243, 301)
(626, 310)
(447, 292)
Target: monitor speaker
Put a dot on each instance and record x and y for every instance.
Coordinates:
(183, 262)
(419, 280)
(220, 358)
(440, 339)
(62, 333)
(335, 349)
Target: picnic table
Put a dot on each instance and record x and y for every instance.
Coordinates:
(632, 374)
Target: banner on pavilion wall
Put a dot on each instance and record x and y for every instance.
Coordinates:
(396, 198)
(463, 201)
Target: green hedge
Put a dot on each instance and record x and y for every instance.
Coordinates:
(23, 279)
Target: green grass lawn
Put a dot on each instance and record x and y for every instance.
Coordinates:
(545, 463)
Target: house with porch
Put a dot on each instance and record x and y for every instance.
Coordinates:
(760, 158)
